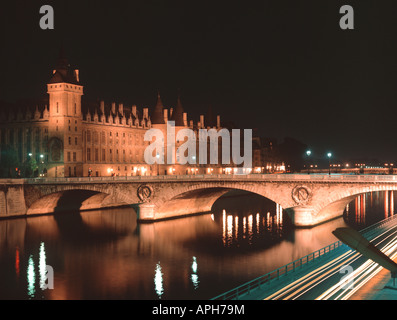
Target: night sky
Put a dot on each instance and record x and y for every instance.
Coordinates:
(283, 67)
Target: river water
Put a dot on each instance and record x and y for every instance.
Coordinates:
(105, 254)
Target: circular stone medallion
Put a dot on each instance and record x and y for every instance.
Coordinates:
(301, 194)
(144, 192)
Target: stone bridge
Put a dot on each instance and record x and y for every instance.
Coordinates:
(308, 199)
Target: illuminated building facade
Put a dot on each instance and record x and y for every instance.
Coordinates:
(67, 138)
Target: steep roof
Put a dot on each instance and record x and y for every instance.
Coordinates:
(157, 115)
(63, 72)
(177, 114)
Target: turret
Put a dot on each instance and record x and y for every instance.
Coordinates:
(177, 114)
(157, 116)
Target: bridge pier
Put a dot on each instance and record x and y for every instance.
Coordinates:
(309, 216)
(302, 216)
(144, 211)
(12, 200)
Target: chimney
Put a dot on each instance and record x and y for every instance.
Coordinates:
(76, 75)
(145, 113)
(121, 108)
(165, 115)
(202, 121)
(185, 119)
(133, 110)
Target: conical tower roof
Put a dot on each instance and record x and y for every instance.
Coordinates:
(157, 116)
(177, 114)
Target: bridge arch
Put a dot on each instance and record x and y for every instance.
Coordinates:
(346, 195)
(331, 202)
(200, 197)
(60, 199)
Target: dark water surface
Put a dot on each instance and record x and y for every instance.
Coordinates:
(105, 254)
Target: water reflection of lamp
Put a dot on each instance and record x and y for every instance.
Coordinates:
(250, 219)
(31, 277)
(194, 276)
(229, 226)
(236, 227)
(158, 280)
(42, 266)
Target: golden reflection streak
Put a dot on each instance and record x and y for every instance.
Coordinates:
(236, 227)
(224, 226)
(244, 226)
(250, 218)
(257, 222)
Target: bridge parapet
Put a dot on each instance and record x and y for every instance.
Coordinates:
(250, 177)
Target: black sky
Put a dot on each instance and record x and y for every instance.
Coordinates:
(284, 67)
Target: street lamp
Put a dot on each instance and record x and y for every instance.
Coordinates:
(308, 153)
(41, 166)
(194, 164)
(329, 155)
(158, 168)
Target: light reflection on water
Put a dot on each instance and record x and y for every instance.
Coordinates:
(31, 278)
(107, 255)
(158, 281)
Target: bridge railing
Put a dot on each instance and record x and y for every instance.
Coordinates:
(249, 177)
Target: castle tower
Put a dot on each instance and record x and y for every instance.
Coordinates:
(177, 114)
(65, 133)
